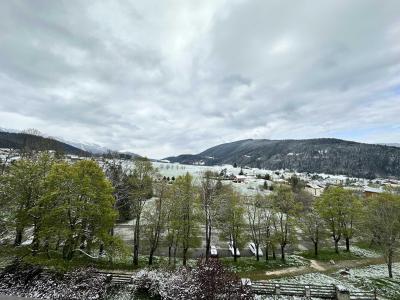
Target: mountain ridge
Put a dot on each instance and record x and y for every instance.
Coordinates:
(26, 141)
(321, 155)
(92, 148)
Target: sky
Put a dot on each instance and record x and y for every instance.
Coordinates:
(163, 78)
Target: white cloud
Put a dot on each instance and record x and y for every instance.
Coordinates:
(164, 78)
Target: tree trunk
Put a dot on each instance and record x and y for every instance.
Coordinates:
(101, 249)
(347, 244)
(35, 241)
(389, 264)
(337, 246)
(273, 253)
(35, 245)
(169, 254)
(175, 248)
(234, 253)
(266, 253)
(57, 244)
(315, 249)
(184, 259)
(68, 250)
(46, 248)
(257, 254)
(136, 242)
(18, 236)
(151, 257)
(283, 252)
(208, 238)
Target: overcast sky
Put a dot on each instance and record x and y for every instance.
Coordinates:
(163, 78)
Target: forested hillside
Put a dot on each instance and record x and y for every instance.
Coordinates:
(28, 142)
(332, 156)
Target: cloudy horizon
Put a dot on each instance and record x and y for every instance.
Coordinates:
(162, 78)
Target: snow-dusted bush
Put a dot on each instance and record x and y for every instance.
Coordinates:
(208, 280)
(26, 280)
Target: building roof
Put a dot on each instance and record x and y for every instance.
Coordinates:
(369, 189)
(313, 186)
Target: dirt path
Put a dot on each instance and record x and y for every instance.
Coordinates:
(287, 271)
(315, 265)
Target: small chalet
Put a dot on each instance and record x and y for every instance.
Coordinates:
(239, 178)
(370, 191)
(314, 189)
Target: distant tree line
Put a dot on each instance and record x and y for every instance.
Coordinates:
(329, 156)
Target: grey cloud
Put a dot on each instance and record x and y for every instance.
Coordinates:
(161, 79)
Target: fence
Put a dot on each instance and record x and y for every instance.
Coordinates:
(309, 291)
(363, 295)
(287, 289)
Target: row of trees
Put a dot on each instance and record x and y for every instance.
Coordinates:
(340, 214)
(74, 208)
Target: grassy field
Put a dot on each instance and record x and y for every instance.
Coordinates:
(9, 253)
(249, 267)
(244, 267)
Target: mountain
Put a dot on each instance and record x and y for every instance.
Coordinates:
(35, 142)
(80, 146)
(2, 129)
(88, 147)
(99, 150)
(390, 144)
(326, 155)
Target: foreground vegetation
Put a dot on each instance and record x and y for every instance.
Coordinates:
(70, 210)
(206, 280)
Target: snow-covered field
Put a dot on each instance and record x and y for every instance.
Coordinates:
(362, 252)
(250, 186)
(359, 279)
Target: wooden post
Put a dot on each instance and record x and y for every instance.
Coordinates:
(307, 292)
(109, 278)
(342, 293)
(277, 289)
(246, 282)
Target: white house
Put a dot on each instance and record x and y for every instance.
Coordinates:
(314, 189)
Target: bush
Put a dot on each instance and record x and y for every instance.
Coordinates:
(208, 280)
(27, 280)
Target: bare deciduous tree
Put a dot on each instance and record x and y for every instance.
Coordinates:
(255, 216)
(208, 189)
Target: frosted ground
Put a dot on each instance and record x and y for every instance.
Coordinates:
(250, 187)
(359, 279)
